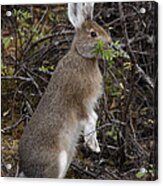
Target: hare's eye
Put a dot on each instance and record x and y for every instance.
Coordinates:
(93, 34)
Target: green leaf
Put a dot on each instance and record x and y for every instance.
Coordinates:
(6, 42)
(127, 66)
(2, 66)
(140, 174)
(14, 13)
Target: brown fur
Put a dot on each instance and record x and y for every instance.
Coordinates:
(55, 126)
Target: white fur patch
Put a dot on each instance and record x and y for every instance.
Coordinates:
(75, 14)
(90, 132)
(22, 175)
(62, 164)
(79, 12)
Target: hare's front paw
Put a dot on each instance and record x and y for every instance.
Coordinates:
(90, 133)
(93, 144)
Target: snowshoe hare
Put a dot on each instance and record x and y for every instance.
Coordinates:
(47, 145)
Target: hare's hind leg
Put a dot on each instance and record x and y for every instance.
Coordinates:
(63, 162)
(90, 136)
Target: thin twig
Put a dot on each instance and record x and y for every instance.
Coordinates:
(8, 129)
(145, 76)
(16, 78)
(82, 170)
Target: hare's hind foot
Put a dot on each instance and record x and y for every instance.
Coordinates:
(90, 136)
(63, 162)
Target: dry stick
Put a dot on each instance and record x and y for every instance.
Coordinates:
(33, 81)
(7, 129)
(36, 75)
(107, 125)
(104, 126)
(45, 50)
(27, 104)
(17, 170)
(114, 121)
(118, 19)
(50, 36)
(135, 66)
(134, 138)
(141, 149)
(112, 174)
(31, 94)
(35, 84)
(145, 76)
(16, 78)
(112, 74)
(134, 60)
(20, 39)
(130, 171)
(138, 13)
(16, 42)
(79, 168)
(27, 46)
(131, 126)
(141, 53)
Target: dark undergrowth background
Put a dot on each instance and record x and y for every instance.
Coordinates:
(35, 38)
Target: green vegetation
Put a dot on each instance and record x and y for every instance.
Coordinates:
(108, 53)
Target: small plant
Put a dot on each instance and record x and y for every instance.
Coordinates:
(141, 173)
(112, 133)
(46, 68)
(6, 42)
(22, 14)
(152, 170)
(110, 54)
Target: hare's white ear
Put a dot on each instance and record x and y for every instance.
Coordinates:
(79, 12)
(88, 10)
